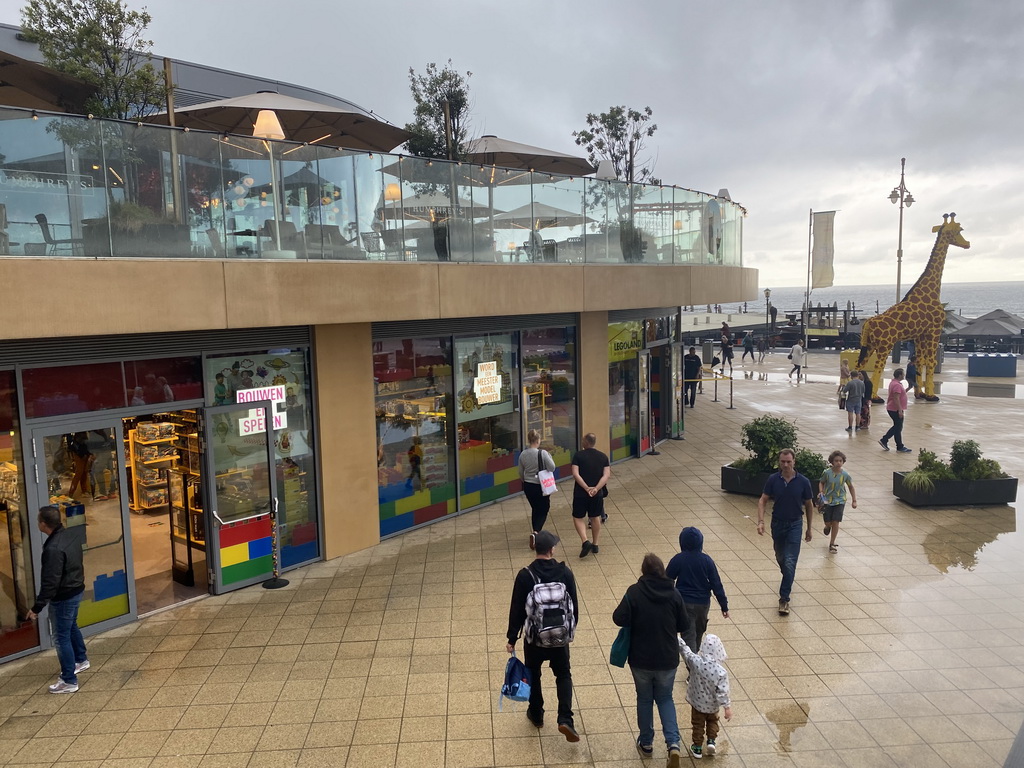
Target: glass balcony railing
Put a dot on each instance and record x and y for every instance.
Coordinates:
(75, 187)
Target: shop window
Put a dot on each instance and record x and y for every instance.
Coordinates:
(488, 417)
(164, 380)
(625, 340)
(73, 389)
(226, 377)
(415, 438)
(16, 592)
(549, 390)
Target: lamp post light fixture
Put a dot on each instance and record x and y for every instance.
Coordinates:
(767, 306)
(902, 196)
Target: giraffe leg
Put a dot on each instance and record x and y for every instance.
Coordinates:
(927, 357)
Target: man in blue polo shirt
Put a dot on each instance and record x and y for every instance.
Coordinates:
(792, 494)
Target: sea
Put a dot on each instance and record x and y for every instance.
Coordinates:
(967, 299)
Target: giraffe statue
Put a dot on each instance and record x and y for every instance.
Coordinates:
(919, 317)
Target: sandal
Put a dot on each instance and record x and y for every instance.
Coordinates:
(833, 549)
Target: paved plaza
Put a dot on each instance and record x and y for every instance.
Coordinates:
(904, 649)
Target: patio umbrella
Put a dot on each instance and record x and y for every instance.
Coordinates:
(1001, 314)
(427, 207)
(302, 120)
(491, 150)
(540, 216)
(989, 328)
(27, 84)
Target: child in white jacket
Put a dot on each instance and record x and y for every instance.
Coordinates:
(707, 690)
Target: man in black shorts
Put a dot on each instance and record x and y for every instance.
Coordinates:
(590, 470)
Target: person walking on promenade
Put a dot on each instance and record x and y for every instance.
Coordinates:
(896, 407)
(727, 356)
(693, 368)
(748, 347)
(706, 691)
(832, 489)
(531, 462)
(792, 495)
(844, 374)
(653, 610)
(591, 470)
(696, 577)
(797, 354)
(853, 393)
(865, 406)
(62, 582)
(545, 608)
(762, 348)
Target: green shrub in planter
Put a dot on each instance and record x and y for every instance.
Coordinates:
(965, 463)
(764, 437)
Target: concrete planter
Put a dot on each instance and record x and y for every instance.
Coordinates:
(958, 493)
(742, 481)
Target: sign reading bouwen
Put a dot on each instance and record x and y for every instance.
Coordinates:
(254, 422)
(624, 340)
(487, 384)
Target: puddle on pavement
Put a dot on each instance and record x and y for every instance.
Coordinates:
(968, 388)
(788, 719)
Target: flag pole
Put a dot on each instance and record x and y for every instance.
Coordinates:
(807, 293)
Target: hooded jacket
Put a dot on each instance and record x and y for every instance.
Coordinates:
(694, 572)
(654, 612)
(708, 687)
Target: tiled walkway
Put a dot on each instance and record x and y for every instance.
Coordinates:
(906, 648)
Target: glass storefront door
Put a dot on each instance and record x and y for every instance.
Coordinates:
(644, 404)
(241, 482)
(676, 391)
(80, 470)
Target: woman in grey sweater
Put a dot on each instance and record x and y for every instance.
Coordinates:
(531, 461)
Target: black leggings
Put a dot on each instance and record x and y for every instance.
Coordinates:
(540, 505)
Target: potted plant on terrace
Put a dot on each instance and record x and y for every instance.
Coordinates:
(764, 437)
(967, 480)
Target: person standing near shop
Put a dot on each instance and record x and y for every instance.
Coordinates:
(792, 495)
(693, 367)
(653, 610)
(591, 470)
(82, 459)
(896, 406)
(62, 583)
(531, 462)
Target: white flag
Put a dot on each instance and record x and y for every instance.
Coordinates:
(823, 251)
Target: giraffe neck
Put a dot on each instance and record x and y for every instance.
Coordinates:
(928, 284)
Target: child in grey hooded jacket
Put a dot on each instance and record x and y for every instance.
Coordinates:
(706, 691)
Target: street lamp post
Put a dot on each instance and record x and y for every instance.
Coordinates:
(767, 305)
(902, 196)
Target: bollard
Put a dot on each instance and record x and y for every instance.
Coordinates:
(716, 388)
(731, 406)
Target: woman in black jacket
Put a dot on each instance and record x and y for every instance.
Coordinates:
(653, 610)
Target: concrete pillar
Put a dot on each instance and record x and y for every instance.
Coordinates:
(347, 437)
(593, 377)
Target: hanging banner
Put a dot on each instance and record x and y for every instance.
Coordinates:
(823, 251)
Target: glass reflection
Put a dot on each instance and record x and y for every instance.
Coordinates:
(549, 390)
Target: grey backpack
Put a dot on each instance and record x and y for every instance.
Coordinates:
(550, 618)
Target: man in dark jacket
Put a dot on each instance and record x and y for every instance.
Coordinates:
(62, 582)
(653, 610)
(544, 570)
(693, 367)
(696, 577)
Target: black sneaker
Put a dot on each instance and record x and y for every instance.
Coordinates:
(587, 547)
(884, 446)
(568, 731)
(537, 721)
(904, 449)
(595, 549)
(645, 750)
(604, 518)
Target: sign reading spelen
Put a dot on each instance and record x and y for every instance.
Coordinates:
(487, 384)
(255, 423)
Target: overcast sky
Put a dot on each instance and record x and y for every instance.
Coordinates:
(790, 105)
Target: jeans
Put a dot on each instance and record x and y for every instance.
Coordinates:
(540, 505)
(690, 393)
(896, 430)
(67, 638)
(654, 686)
(558, 658)
(786, 535)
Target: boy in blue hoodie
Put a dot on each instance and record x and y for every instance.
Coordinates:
(696, 577)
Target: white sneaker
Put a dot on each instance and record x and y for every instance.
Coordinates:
(61, 687)
(81, 666)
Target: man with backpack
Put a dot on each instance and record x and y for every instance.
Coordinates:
(545, 608)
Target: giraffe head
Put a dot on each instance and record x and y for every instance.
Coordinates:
(951, 229)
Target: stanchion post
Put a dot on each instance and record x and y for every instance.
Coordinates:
(275, 581)
(731, 406)
(716, 387)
